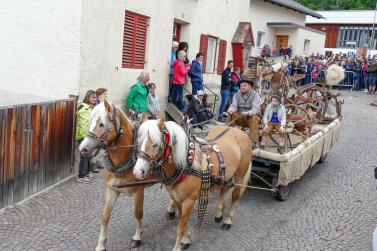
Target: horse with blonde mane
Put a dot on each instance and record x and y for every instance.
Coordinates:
(220, 161)
(110, 129)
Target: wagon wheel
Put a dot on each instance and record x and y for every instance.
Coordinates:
(334, 107)
(299, 126)
(282, 192)
(313, 99)
(288, 89)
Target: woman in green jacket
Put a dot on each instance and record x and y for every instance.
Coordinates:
(82, 128)
(137, 99)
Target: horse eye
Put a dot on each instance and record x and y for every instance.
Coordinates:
(101, 125)
(155, 145)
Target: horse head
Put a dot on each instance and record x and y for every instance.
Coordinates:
(105, 126)
(152, 146)
(158, 140)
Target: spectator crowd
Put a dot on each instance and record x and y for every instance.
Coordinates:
(240, 103)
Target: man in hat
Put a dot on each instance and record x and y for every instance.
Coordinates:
(245, 109)
(274, 118)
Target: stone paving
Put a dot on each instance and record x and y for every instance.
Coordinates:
(333, 207)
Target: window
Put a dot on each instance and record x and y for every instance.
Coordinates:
(211, 54)
(176, 32)
(134, 40)
(260, 39)
(306, 45)
(354, 37)
(208, 46)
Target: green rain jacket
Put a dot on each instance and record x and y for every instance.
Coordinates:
(137, 99)
(82, 123)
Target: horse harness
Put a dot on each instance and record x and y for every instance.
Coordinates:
(208, 180)
(102, 143)
(164, 152)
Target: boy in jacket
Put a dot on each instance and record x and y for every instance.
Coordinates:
(274, 118)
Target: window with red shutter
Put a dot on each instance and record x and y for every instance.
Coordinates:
(134, 40)
(203, 48)
(222, 56)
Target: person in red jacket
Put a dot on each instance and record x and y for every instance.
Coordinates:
(179, 78)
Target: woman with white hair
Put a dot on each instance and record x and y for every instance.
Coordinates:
(137, 99)
(179, 77)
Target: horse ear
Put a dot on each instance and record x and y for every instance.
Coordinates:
(161, 122)
(107, 106)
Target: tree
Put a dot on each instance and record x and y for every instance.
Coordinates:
(339, 4)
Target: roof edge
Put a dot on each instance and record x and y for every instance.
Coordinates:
(303, 11)
(294, 25)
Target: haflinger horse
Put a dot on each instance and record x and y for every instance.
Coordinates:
(110, 129)
(222, 160)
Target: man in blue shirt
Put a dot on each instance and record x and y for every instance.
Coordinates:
(172, 58)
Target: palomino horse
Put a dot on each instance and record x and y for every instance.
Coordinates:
(225, 157)
(110, 129)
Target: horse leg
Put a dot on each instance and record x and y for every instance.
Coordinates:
(187, 207)
(229, 218)
(110, 199)
(139, 201)
(220, 205)
(170, 211)
(187, 238)
(236, 194)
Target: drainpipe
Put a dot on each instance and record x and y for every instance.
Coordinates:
(372, 40)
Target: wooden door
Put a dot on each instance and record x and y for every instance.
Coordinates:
(281, 42)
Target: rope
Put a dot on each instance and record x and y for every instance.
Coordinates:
(253, 187)
(206, 121)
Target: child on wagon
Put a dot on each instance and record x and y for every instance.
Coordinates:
(274, 118)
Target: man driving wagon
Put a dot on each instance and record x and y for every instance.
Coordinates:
(245, 110)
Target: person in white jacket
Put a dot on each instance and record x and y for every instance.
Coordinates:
(274, 118)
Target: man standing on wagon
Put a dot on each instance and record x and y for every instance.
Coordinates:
(245, 110)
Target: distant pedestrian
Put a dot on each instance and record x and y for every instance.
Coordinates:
(153, 102)
(82, 129)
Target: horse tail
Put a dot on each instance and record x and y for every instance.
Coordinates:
(246, 178)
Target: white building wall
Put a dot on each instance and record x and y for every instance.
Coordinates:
(317, 42)
(40, 47)
(102, 39)
(261, 13)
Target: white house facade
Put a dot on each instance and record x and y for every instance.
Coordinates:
(281, 23)
(65, 47)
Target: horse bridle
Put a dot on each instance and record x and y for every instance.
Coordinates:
(101, 140)
(163, 152)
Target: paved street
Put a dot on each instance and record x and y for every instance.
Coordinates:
(333, 207)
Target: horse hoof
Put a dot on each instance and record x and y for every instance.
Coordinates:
(225, 227)
(218, 219)
(185, 246)
(170, 215)
(135, 243)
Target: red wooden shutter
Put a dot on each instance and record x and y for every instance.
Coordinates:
(222, 56)
(203, 48)
(134, 40)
